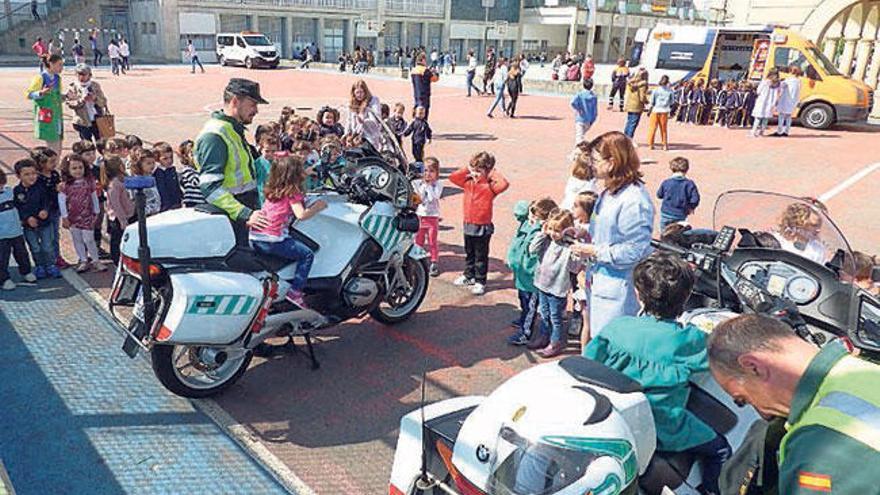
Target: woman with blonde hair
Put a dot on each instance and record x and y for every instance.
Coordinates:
(364, 114)
(799, 231)
(623, 219)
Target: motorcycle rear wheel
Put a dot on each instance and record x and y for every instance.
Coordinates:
(166, 366)
(417, 273)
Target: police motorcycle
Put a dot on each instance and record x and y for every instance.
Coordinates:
(575, 427)
(202, 299)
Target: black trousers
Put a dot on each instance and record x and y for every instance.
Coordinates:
(115, 229)
(476, 249)
(511, 105)
(418, 150)
(618, 90)
(17, 247)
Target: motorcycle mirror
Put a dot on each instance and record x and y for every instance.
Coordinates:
(875, 274)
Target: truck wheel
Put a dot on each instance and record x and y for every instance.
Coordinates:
(248, 63)
(817, 116)
(222, 61)
(182, 370)
(399, 306)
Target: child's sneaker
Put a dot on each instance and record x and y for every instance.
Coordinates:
(104, 255)
(463, 281)
(30, 278)
(296, 297)
(478, 289)
(39, 273)
(83, 267)
(52, 271)
(518, 338)
(433, 270)
(552, 350)
(8, 285)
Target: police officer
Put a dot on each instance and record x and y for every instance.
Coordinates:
(226, 159)
(831, 400)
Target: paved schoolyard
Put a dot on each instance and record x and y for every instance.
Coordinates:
(336, 427)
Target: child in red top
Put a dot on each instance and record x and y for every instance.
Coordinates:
(481, 184)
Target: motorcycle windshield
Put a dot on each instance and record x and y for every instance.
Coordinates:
(798, 225)
(524, 467)
(382, 138)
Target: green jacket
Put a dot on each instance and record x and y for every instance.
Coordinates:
(661, 355)
(218, 179)
(520, 261)
(834, 428)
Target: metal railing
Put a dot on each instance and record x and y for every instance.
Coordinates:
(415, 7)
(311, 4)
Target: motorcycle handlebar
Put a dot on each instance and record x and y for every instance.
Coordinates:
(665, 246)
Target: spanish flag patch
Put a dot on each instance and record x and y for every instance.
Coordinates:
(813, 481)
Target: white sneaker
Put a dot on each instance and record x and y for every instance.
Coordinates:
(30, 278)
(463, 281)
(478, 289)
(8, 285)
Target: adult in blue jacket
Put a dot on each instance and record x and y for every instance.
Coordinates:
(623, 219)
(422, 77)
(584, 105)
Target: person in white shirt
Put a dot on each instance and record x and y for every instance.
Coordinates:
(789, 96)
(193, 57)
(499, 82)
(430, 190)
(115, 58)
(124, 52)
(471, 73)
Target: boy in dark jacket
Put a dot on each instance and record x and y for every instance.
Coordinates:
(33, 202)
(397, 123)
(421, 132)
(679, 194)
(167, 182)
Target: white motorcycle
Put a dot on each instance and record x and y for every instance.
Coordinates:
(575, 427)
(209, 299)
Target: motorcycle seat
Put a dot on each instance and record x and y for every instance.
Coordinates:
(245, 259)
(588, 371)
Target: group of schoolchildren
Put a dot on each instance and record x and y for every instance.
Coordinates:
(78, 193)
(728, 104)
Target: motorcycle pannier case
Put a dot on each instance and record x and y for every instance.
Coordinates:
(212, 307)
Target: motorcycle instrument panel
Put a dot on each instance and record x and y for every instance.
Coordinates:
(782, 280)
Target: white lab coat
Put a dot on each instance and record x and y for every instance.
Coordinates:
(765, 103)
(789, 95)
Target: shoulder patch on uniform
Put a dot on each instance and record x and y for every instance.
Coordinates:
(813, 481)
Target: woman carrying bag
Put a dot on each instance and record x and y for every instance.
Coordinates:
(86, 98)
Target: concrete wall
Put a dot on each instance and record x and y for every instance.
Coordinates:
(75, 16)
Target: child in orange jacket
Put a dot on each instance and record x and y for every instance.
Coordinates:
(481, 184)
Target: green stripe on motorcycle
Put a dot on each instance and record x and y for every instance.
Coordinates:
(221, 305)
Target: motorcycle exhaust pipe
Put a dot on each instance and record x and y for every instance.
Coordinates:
(214, 357)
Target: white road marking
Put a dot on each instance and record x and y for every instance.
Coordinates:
(861, 174)
(240, 434)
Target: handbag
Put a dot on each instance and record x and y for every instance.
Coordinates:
(45, 115)
(106, 125)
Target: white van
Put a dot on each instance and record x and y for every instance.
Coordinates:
(246, 48)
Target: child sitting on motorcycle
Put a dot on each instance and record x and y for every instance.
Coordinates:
(284, 200)
(662, 354)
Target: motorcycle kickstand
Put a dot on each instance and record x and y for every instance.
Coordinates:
(311, 351)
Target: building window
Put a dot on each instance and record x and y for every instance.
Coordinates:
(202, 42)
(414, 35)
(303, 32)
(334, 39)
(152, 28)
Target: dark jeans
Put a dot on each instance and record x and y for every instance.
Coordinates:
(476, 249)
(712, 454)
(116, 230)
(470, 82)
(125, 64)
(87, 133)
(632, 122)
(98, 56)
(55, 219)
(528, 309)
(552, 313)
(293, 250)
(617, 90)
(667, 218)
(19, 251)
(418, 151)
(511, 105)
(40, 242)
(195, 60)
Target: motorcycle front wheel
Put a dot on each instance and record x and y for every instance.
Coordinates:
(182, 370)
(400, 304)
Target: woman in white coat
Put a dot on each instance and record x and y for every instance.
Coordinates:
(364, 115)
(789, 96)
(765, 104)
(623, 219)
